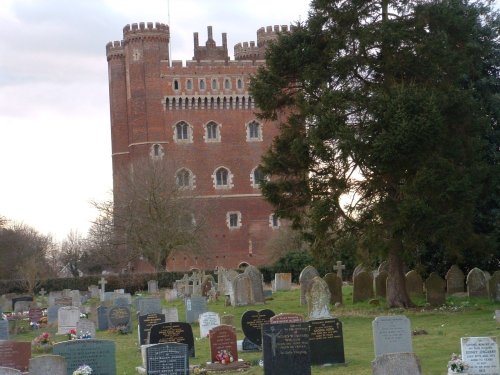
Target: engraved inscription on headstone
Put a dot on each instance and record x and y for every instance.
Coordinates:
(119, 317)
(392, 334)
(67, 317)
(98, 354)
(481, 354)
(173, 332)
(145, 324)
(171, 359)
(326, 341)
(251, 324)
(223, 340)
(208, 321)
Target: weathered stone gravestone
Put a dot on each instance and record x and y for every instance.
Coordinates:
(67, 317)
(52, 313)
(9, 371)
(171, 314)
(362, 289)
(359, 268)
(414, 284)
(256, 284)
(392, 334)
(76, 298)
(318, 299)
(251, 324)
(228, 278)
(102, 283)
(63, 301)
(170, 295)
(145, 324)
(223, 339)
(179, 332)
(334, 286)
(152, 286)
(285, 349)
(169, 358)
(4, 329)
(121, 301)
(286, 318)
(48, 365)
(326, 341)
(94, 291)
(241, 291)
(98, 354)
(380, 284)
(435, 293)
(282, 281)
(497, 316)
(102, 318)
(120, 317)
(305, 278)
(22, 307)
(146, 306)
(454, 280)
(15, 354)
(85, 327)
(494, 286)
(396, 364)
(194, 307)
(227, 319)
(339, 267)
(476, 283)
(208, 321)
(481, 354)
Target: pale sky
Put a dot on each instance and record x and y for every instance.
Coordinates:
(55, 146)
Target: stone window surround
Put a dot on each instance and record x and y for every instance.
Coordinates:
(156, 151)
(189, 132)
(253, 183)
(192, 179)
(228, 219)
(272, 223)
(230, 176)
(259, 137)
(218, 132)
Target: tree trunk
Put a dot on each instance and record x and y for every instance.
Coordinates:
(397, 296)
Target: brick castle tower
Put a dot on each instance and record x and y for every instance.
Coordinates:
(201, 115)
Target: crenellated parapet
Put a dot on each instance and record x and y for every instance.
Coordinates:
(257, 51)
(115, 50)
(146, 31)
(210, 51)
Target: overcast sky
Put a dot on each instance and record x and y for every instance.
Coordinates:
(55, 146)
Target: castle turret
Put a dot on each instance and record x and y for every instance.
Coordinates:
(251, 51)
(210, 51)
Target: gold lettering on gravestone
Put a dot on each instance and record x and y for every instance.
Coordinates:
(257, 321)
(323, 331)
(171, 334)
(120, 313)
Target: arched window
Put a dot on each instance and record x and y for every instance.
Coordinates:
(214, 84)
(212, 131)
(202, 84)
(176, 85)
(254, 132)
(221, 177)
(227, 84)
(182, 131)
(258, 176)
(239, 84)
(156, 151)
(189, 84)
(183, 178)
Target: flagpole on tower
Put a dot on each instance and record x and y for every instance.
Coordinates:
(169, 42)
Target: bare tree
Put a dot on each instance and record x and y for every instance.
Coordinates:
(73, 249)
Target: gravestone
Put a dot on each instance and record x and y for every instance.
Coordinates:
(286, 318)
(391, 334)
(359, 268)
(207, 285)
(167, 359)
(227, 319)
(170, 295)
(63, 301)
(256, 284)
(326, 341)
(145, 324)
(334, 286)
(15, 354)
(98, 354)
(94, 291)
(4, 329)
(22, 306)
(305, 278)
(67, 317)
(396, 364)
(223, 338)
(120, 317)
(362, 289)
(476, 283)
(497, 316)
(494, 286)
(286, 349)
(282, 281)
(339, 267)
(318, 299)
(248, 346)
(47, 365)
(380, 284)
(9, 371)
(171, 314)
(251, 324)
(102, 283)
(414, 284)
(241, 291)
(121, 301)
(435, 293)
(152, 286)
(208, 321)
(454, 280)
(383, 267)
(35, 314)
(102, 318)
(194, 307)
(52, 313)
(85, 327)
(179, 332)
(21, 299)
(148, 306)
(76, 298)
(481, 354)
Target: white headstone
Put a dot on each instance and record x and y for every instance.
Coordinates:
(481, 354)
(392, 334)
(208, 321)
(171, 314)
(67, 317)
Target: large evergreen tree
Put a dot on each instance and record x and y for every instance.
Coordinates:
(387, 111)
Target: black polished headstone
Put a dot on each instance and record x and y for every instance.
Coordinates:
(119, 317)
(326, 341)
(251, 323)
(98, 354)
(286, 349)
(179, 332)
(145, 324)
(167, 359)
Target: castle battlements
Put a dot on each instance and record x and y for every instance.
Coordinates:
(115, 49)
(256, 51)
(142, 27)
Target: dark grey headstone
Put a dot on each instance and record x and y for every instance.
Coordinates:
(179, 332)
(4, 329)
(248, 346)
(146, 306)
(414, 284)
(194, 307)
(145, 324)
(435, 290)
(98, 354)
(286, 349)
(362, 289)
(334, 283)
(476, 283)
(326, 341)
(380, 284)
(167, 359)
(121, 301)
(102, 318)
(119, 317)
(454, 280)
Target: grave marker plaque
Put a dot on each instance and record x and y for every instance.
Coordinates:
(251, 324)
(286, 349)
(223, 339)
(326, 341)
(145, 324)
(171, 314)
(481, 354)
(15, 354)
(20, 299)
(98, 354)
(167, 359)
(52, 313)
(179, 332)
(85, 327)
(392, 334)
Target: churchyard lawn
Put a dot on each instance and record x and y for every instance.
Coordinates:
(438, 331)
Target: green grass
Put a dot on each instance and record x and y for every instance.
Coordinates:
(444, 326)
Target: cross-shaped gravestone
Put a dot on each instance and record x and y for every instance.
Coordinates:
(42, 292)
(102, 283)
(339, 267)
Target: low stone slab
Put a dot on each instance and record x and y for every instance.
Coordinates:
(396, 364)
